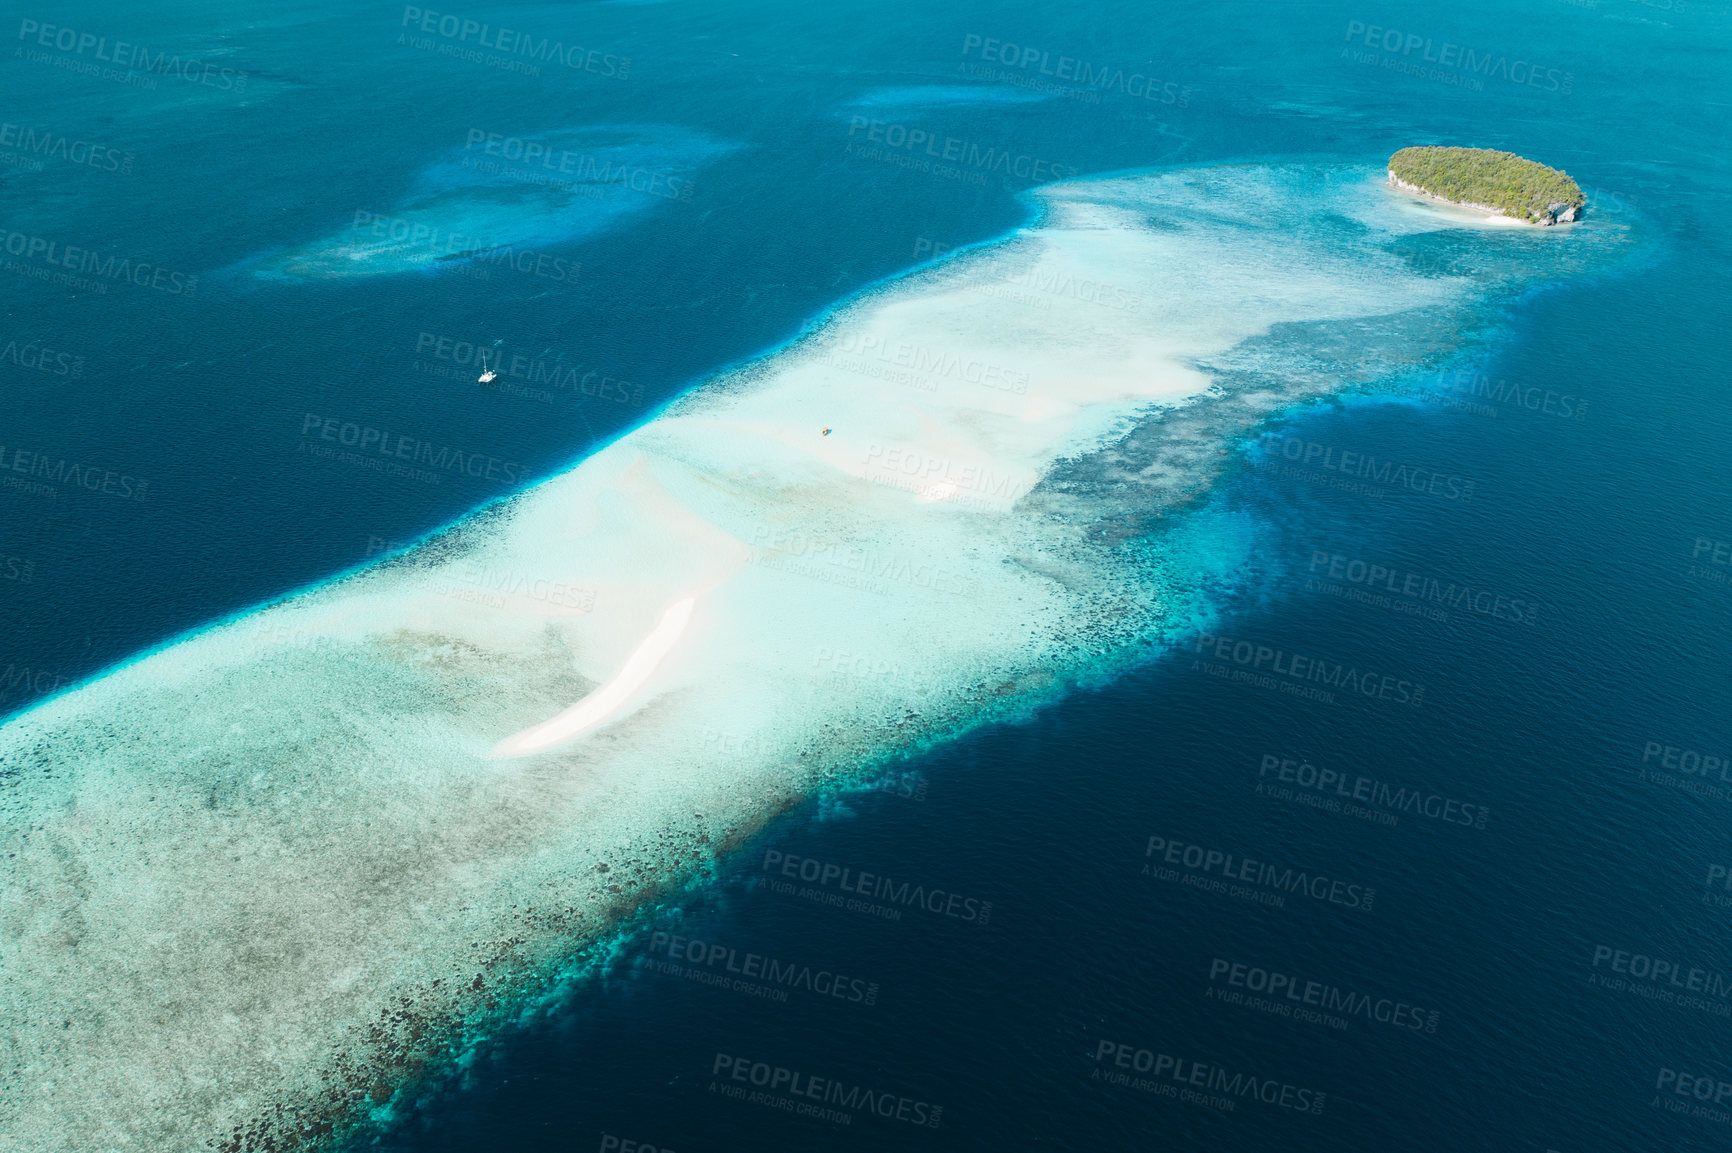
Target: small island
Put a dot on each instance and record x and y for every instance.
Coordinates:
(1500, 183)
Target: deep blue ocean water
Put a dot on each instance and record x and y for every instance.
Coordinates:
(1565, 722)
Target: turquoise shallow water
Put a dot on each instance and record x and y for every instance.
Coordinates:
(1584, 415)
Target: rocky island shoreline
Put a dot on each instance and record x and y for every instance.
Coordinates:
(1498, 183)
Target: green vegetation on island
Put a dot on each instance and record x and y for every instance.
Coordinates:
(1482, 178)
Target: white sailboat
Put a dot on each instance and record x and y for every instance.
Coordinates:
(487, 373)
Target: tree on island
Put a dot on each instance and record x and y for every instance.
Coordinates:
(1482, 177)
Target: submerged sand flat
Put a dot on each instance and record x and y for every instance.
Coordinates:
(256, 881)
(505, 205)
